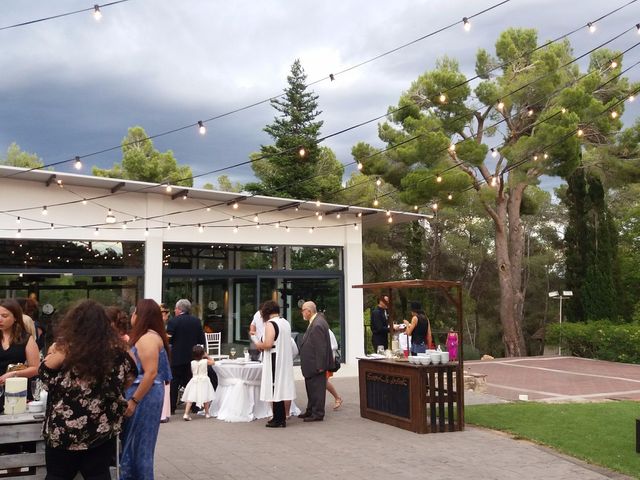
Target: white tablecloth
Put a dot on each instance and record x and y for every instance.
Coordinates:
(237, 397)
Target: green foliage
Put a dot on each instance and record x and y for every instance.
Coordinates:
(141, 161)
(576, 429)
(600, 339)
(16, 157)
(226, 185)
(279, 167)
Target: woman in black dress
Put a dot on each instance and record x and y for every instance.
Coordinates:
(17, 345)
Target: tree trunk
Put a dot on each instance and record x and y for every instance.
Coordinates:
(509, 251)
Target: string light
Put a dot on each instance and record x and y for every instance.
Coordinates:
(359, 215)
(200, 228)
(235, 229)
(494, 153)
(52, 227)
(388, 213)
(355, 226)
(360, 166)
(378, 181)
(111, 218)
(434, 206)
(146, 231)
(78, 163)
(184, 197)
(591, 26)
(97, 14)
(124, 225)
(390, 219)
(338, 215)
(169, 188)
(201, 128)
(638, 28)
(376, 202)
(632, 98)
(614, 64)
(19, 233)
(96, 232)
(208, 209)
(318, 203)
(232, 218)
(466, 24)
(535, 158)
(169, 226)
(44, 210)
(545, 156)
(255, 218)
(529, 110)
(320, 217)
(302, 152)
(278, 224)
(332, 77)
(450, 197)
(415, 207)
(442, 98)
(580, 132)
(235, 205)
(257, 226)
(563, 110)
(439, 179)
(84, 201)
(18, 221)
(287, 229)
(614, 114)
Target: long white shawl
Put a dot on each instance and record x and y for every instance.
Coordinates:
(283, 388)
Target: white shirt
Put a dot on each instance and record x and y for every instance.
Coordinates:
(259, 324)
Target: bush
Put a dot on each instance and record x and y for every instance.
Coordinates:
(470, 352)
(599, 339)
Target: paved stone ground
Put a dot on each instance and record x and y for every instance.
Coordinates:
(559, 379)
(346, 446)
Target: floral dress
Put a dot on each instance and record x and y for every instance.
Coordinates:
(84, 414)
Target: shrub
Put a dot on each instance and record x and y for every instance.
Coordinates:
(599, 339)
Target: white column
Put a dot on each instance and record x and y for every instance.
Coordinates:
(153, 266)
(354, 324)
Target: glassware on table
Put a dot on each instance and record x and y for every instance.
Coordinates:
(12, 401)
(232, 352)
(36, 387)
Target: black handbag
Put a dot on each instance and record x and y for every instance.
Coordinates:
(336, 362)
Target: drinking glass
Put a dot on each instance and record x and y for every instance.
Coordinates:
(232, 352)
(36, 386)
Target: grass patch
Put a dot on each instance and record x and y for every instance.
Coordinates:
(599, 433)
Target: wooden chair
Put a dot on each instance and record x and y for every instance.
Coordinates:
(214, 341)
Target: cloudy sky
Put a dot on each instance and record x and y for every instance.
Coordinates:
(73, 86)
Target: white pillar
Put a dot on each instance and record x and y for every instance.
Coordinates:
(153, 266)
(353, 297)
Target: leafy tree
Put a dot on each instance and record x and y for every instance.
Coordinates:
(531, 122)
(282, 171)
(141, 161)
(16, 157)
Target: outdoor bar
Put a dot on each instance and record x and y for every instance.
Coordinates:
(419, 398)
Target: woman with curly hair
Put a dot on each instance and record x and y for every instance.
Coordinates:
(149, 348)
(86, 372)
(17, 345)
(119, 321)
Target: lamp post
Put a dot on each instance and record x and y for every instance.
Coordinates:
(565, 294)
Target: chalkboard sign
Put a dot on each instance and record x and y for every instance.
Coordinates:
(388, 394)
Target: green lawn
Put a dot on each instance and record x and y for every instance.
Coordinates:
(599, 433)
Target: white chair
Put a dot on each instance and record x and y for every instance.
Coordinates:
(214, 341)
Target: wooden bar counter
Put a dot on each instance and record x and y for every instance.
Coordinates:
(22, 430)
(419, 398)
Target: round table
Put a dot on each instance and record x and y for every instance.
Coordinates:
(237, 397)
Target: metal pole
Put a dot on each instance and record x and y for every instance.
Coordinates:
(560, 339)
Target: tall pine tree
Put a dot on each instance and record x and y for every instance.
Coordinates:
(282, 171)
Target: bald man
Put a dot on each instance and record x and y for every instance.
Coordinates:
(316, 358)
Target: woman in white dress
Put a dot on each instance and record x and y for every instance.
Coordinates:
(199, 389)
(277, 385)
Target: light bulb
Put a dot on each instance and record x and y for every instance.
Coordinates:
(338, 216)
(376, 202)
(450, 197)
(257, 226)
(632, 98)
(208, 209)
(184, 197)
(84, 201)
(442, 98)
(529, 110)
(146, 231)
(200, 228)
(288, 229)
(255, 218)
(96, 232)
(439, 179)
(97, 14)
(169, 226)
(614, 64)
(591, 26)
(111, 218)
(535, 158)
(311, 230)
(320, 217)
(360, 166)
(466, 24)
(302, 152)
(317, 203)
(231, 218)
(44, 211)
(545, 156)
(614, 114)
(52, 227)
(359, 215)
(378, 181)
(78, 164)
(434, 206)
(355, 226)
(201, 128)
(235, 205)
(277, 224)
(169, 188)
(235, 229)
(18, 221)
(563, 110)
(638, 28)
(494, 153)
(390, 219)
(19, 233)
(388, 213)
(415, 207)
(124, 225)
(580, 132)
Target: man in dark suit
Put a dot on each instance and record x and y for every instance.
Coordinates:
(184, 332)
(316, 358)
(380, 323)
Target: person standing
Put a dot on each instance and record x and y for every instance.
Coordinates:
(184, 332)
(166, 402)
(419, 329)
(85, 372)
(277, 385)
(149, 344)
(380, 323)
(316, 357)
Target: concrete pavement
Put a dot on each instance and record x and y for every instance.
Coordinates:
(346, 446)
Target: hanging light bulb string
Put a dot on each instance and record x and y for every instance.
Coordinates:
(52, 17)
(198, 123)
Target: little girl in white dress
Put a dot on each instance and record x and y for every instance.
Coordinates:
(199, 389)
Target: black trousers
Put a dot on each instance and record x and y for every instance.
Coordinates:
(316, 387)
(93, 463)
(181, 376)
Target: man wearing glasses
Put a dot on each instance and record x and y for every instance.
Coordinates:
(315, 358)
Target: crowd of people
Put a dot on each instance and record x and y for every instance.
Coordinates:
(109, 377)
